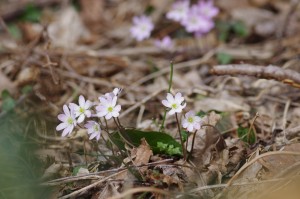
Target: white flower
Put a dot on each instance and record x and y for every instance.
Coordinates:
(179, 10)
(68, 120)
(82, 110)
(191, 121)
(93, 129)
(176, 104)
(108, 107)
(115, 92)
(142, 27)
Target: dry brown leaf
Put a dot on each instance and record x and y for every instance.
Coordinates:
(67, 29)
(143, 154)
(6, 83)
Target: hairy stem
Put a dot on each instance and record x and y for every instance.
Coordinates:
(181, 140)
(169, 90)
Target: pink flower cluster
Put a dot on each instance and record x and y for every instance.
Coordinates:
(197, 18)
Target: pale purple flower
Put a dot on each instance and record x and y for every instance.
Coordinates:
(179, 11)
(207, 9)
(176, 104)
(68, 121)
(197, 23)
(115, 92)
(165, 44)
(108, 107)
(142, 27)
(93, 129)
(82, 110)
(191, 121)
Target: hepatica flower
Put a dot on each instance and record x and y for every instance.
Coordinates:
(68, 121)
(108, 107)
(142, 27)
(165, 44)
(196, 23)
(179, 11)
(82, 110)
(191, 122)
(207, 9)
(115, 92)
(176, 104)
(93, 129)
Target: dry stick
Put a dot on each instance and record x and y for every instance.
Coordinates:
(240, 184)
(90, 186)
(190, 63)
(181, 140)
(75, 178)
(147, 98)
(257, 158)
(287, 76)
(252, 127)
(286, 108)
(141, 189)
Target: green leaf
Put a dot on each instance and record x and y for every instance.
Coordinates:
(14, 31)
(240, 29)
(224, 58)
(26, 89)
(246, 135)
(8, 103)
(159, 142)
(31, 13)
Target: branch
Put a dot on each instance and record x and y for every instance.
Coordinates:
(269, 72)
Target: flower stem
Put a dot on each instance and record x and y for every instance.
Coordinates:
(169, 90)
(193, 142)
(181, 140)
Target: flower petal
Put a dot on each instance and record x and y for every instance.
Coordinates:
(81, 118)
(115, 114)
(170, 98)
(117, 108)
(108, 116)
(171, 112)
(61, 126)
(62, 117)
(93, 135)
(88, 113)
(66, 110)
(178, 97)
(166, 103)
(81, 101)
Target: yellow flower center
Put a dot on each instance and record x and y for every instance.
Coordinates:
(174, 106)
(70, 120)
(81, 110)
(190, 120)
(110, 109)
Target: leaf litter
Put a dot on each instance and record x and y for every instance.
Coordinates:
(64, 50)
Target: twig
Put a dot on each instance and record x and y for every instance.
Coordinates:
(190, 63)
(136, 105)
(90, 186)
(229, 183)
(240, 184)
(140, 189)
(286, 108)
(287, 76)
(83, 177)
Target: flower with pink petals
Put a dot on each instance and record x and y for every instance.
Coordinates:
(165, 44)
(68, 121)
(93, 129)
(207, 9)
(191, 121)
(82, 110)
(142, 27)
(179, 11)
(196, 22)
(176, 104)
(108, 107)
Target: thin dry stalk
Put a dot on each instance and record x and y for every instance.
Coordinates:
(287, 76)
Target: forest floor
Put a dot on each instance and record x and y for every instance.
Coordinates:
(242, 78)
